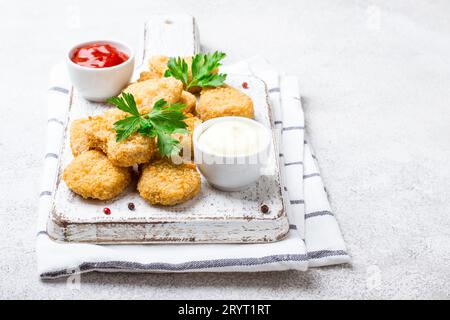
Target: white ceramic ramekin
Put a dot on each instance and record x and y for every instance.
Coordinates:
(230, 173)
(99, 84)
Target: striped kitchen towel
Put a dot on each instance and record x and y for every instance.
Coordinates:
(308, 207)
(314, 238)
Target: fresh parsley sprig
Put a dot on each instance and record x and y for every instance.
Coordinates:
(202, 68)
(161, 122)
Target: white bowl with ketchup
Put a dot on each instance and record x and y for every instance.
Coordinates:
(100, 69)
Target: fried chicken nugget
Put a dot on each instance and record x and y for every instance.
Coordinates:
(92, 175)
(136, 149)
(167, 184)
(79, 138)
(89, 133)
(147, 92)
(158, 65)
(189, 100)
(145, 75)
(224, 101)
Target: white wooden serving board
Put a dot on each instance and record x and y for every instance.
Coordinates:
(211, 217)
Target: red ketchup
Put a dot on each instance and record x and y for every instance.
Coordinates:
(98, 56)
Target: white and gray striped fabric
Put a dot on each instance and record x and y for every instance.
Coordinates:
(314, 238)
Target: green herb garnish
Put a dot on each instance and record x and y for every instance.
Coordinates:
(162, 121)
(202, 68)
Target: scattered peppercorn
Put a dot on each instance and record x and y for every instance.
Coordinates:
(131, 206)
(107, 211)
(264, 208)
(245, 85)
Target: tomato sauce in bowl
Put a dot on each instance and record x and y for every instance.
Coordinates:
(98, 55)
(100, 69)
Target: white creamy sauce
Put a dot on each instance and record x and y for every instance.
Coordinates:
(233, 138)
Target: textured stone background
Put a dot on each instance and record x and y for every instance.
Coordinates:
(375, 77)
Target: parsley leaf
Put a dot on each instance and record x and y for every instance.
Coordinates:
(177, 68)
(161, 122)
(126, 103)
(167, 145)
(202, 69)
(126, 127)
(168, 118)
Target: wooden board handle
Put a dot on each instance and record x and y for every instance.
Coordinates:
(170, 35)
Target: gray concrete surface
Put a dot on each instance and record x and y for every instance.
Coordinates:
(375, 77)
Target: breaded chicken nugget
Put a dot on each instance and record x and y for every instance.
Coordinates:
(92, 175)
(158, 65)
(136, 149)
(89, 133)
(79, 138)
(224, 101)
(189, 100)
(167, 184)
(145, 75)
(147, 92)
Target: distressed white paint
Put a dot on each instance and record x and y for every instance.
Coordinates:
(213, 216)
(170, 35)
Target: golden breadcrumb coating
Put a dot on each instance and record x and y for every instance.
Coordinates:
(92, 175)
(136, 149)
(224, 101)
(157, 65)
(167, 184)
(189, 100)
(145, 75)
(79, 139)
(147, 92)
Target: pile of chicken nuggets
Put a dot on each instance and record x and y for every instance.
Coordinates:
(102, 168)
